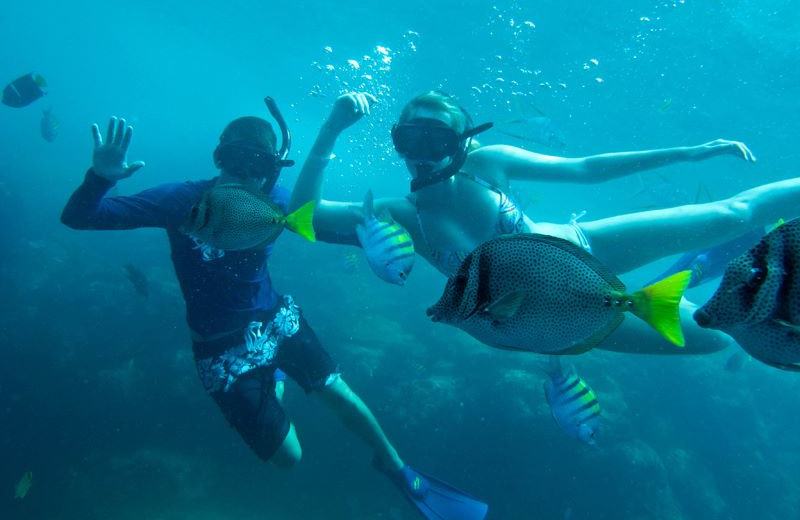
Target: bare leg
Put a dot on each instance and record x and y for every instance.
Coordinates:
(359, 419)
(626, 242)
(290, 451)
(634, 336)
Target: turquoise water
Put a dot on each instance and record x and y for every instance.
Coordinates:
(98, 392)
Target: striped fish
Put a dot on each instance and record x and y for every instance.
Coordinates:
(388, 246)
(573, 404)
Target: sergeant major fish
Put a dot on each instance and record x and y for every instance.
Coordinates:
(388, 246)
(758, 300)
(545, 294)
(572, 402)
(48, 126)
(235, 217)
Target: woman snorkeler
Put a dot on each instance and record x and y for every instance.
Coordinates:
(459, 200)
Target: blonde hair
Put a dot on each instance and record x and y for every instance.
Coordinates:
(437, 100)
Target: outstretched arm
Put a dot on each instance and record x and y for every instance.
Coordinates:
(333, 221)
(518, 164)
(89, 208)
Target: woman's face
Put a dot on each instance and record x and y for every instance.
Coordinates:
(428, 113)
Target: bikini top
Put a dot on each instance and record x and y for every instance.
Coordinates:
(510, 220)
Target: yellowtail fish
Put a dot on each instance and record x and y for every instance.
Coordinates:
(572, 402)
(235, 217)
(24, 485)
(389, 248)
(544, 294)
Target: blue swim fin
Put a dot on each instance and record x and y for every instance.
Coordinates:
(437, 500)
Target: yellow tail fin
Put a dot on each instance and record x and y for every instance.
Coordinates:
(658, 305)
(301, 221)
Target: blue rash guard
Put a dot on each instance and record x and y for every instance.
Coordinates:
(222, 294)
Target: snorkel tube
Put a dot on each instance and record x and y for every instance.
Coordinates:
(286, 137)
(426, 178)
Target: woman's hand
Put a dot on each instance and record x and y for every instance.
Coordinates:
(109, 160)
(348, 109)
(724, 147)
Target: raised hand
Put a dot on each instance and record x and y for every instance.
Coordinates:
(349, 108)
(109, 159)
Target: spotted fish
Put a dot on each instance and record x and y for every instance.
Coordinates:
(758, 300)
(389, 248)
(234, 217)
(572, 402)
(544, 294)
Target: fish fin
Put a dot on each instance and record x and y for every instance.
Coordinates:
(554, 367)
(369, 204)
(791, 326)
(506, 306)
(385, 216)
(658, 305)
(537, 110)
(361, 233)
(589, 260)
(593, 340)
(790, 367)
(301, 221)
(39, 80)
(773, 227)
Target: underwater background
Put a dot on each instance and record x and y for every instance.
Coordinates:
(99, 397)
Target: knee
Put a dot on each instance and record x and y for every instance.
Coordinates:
(290, 451)
(339, 395)
(736, 210)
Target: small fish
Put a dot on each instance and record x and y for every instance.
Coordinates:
(234, 217)
(49, 125)
(572, 402)
(758, 300)
(737, 361)
(535, 129)
(137, 279)
(24, 485)
(663, 192)
(349, 262)
(389, 248)
(24, 90)
(544, 294)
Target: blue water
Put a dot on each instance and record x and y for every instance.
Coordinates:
(98, 392)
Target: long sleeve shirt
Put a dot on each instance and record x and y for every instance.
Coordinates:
(221, 294)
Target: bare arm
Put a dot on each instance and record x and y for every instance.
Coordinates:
(518, 164)
(333, 221)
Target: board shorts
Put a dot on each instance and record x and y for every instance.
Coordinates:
(238, 371)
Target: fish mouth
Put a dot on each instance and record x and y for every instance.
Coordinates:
(433, 313)
(703, 318)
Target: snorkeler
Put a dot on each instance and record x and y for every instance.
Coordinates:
(459, 200)
(243, 332)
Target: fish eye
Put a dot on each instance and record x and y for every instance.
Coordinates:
(756, 276)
